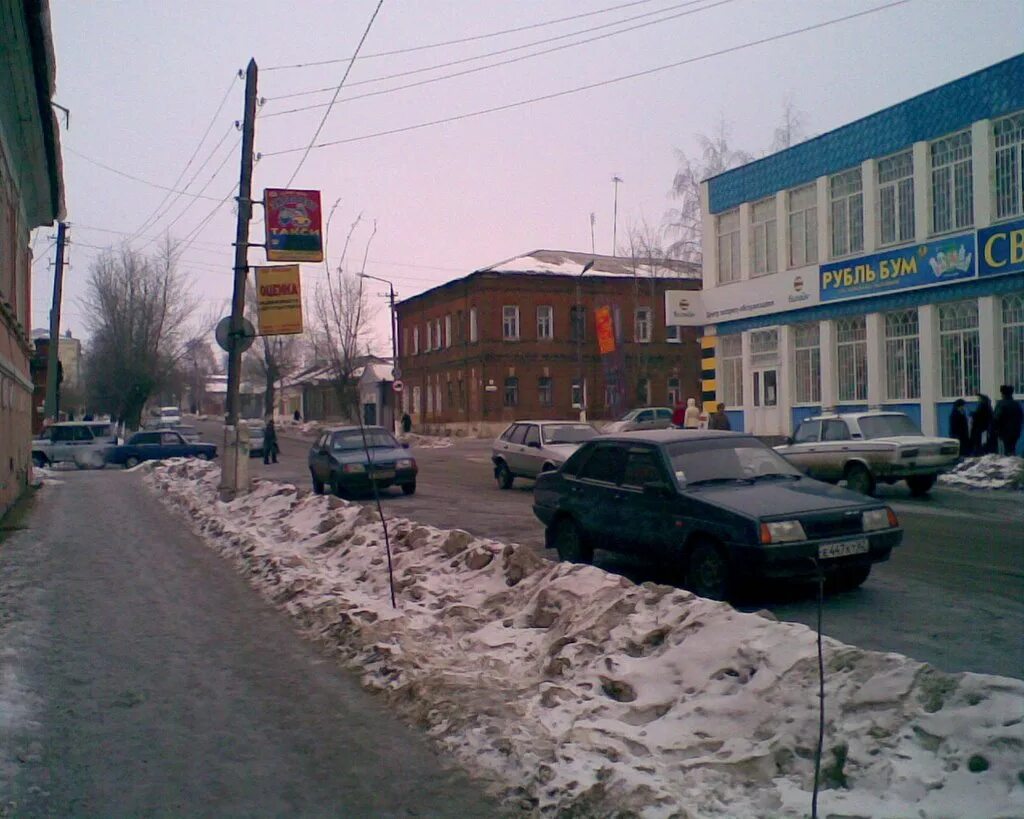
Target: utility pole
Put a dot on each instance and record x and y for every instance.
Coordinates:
(395, 370)
(615, 214)
(235, 462)
(52, 408)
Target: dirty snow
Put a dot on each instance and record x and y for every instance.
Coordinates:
(987, 472)
(42, 475)
(577, 692)
(418, 441)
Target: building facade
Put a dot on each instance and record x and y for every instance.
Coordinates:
(880, 265)
(540, 336)
(31, 195)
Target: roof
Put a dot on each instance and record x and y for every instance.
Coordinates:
(550, 421)
(354, 428)
(668, 436)
(37, 22)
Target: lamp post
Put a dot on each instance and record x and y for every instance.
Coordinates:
(395, 371)
(580, 324)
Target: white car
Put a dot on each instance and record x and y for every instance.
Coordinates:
(527, 448)
(83, 443)
(170, 415)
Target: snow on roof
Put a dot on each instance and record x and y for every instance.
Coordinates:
(571, 263)
(377, 371)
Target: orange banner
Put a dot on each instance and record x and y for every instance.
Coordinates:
(605, 330)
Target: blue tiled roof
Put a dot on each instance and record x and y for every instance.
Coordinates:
(984, 94)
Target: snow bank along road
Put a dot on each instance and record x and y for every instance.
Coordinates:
(952, 595)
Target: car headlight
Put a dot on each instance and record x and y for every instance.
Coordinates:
(353, 468)
(875, 519)
(783, 531)
(405, 463)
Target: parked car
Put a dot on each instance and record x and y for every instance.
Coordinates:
(863, 448)
(154, 445)
(170, 415)
(83, 443)
(527, 448)
(190, 434)
(642, 418)
(342, 460)
(256, 429)
(722, 506)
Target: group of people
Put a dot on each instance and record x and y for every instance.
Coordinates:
(688, 416)
(988, 427)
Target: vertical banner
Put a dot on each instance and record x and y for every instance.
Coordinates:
(609, 333)
(279, 300)
(293, 222)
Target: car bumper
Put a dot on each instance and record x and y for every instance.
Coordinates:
(801, 561)
(908, 469)
(360, 481)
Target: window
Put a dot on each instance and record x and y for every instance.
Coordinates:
(518, 435)
(415, 340)
(605, 464)
(437, 334)
(643, 393)
(430, 400)
(730, 356)
(578, 323)
(451, 395)
(416, 402)
(532, 435)
(642, 325)
(807, 433)
(545, 320)
(896, 198)
(835, 431)
(641, 467)
(728, 225)
(1008, 134)
(852, 358)
(803, 226)
(807, 362)
(764, 347)
(766, 391)
(507, 434)
(448, 330)
(1013, 341)
(673, 392)
(510, 322)
(511, 392)
(764, 238)
(959, 349)
(430, 337)
(472, 325)
(437, 398)
(460, 327)
(544, 391)
(672, 334)
(578, 390)
(405, 341)
(847, 197)
(902, 355)
(952, 186)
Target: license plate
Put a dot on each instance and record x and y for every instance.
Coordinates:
(382, 474)
(842, 548)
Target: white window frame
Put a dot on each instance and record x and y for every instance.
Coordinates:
(727, 230)
(448, 330)
(852, 359)
(846, 212)
(545, 322)
(642, 319)
(416, 400)
(510, 322)
(959, 349)
(807, 362)
(1011, 312)
(902, 355)
(764, 237)
(416, 340)
(473, 330)
(545, 392)
(672, 334)
(1008, 165)
(673, 391)
(803, 225)
(578, 393)
(730, 369)
(896, 199)
(511, 383)
(952, 186)
(438, 406)
(438, 341)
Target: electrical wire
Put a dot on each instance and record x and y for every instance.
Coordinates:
(337, 90)
(462, 40)
(505, 51)
(590, 86)
(99, 164)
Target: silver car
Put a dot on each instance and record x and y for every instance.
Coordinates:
(83, 443)
(527, 448)
(864, 448)
(642, 418)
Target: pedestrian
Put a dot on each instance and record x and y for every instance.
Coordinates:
(679, 414)
(959, 427)
(406, 423)
(981, 426)
(718, 419)
(270, 447)
(691, 419)
(296, 416)
(1007, 420)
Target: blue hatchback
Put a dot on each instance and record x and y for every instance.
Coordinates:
(350, 460)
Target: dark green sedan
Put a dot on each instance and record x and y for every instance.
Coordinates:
(350, 460)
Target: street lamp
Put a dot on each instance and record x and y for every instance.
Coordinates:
(395, 371)
(580, 324)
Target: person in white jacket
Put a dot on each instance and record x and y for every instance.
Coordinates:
(692, 418)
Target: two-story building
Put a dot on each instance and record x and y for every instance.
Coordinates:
(878, 265)
(550, 334)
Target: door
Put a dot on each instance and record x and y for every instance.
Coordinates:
(803, 452)
(531, 456)
(63, 444)
(596, 498)
(766, 416)
(513, 449)
(645, 516)
(321, 464)
(172, 445)
(645, 420)
(832, 450)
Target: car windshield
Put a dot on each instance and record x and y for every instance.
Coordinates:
(720, 460)
(353, 439)
(568, 433)
(886, 426)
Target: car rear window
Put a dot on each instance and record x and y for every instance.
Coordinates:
(605, 464)
(885, 426)
(807, 432)
(353, 439)
(568, 433)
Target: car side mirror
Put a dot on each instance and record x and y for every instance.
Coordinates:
(658, 489)
(405, 444)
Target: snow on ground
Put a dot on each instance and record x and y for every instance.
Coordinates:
(418, 441)
(42, 475)
(987, 472)
(580, 693)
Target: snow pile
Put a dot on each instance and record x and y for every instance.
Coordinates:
(987, 472)
(42, 475)
(418, 441)
(580, 693)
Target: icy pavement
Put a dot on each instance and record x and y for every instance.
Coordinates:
(987, 472)
(583, 694)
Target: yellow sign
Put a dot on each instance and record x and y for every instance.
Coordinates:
(279, 300)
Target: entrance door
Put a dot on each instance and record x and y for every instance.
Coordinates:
(767, 419)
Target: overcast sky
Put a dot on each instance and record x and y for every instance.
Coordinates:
(143, 81)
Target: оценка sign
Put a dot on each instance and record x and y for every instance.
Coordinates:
(279, 300)
(293, 225)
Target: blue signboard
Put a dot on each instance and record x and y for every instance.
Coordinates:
(1001, 249)
(942, 261)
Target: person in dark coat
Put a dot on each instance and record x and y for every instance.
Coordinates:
(296, 416)
(406, 423)
(959, 427)
(270, 447)
(981, 426)
(718, 419)
(1007, 420)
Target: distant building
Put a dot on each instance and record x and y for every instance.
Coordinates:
(520, 339)
(69, 353)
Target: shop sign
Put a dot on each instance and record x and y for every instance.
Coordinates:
(942, 261)
(1001, 249)
(775, 293)
(279, 300)
(293, 225)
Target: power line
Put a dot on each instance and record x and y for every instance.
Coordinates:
(601, 84)
(496, 54)
(337, 90)
(462, 40)
(99, 164)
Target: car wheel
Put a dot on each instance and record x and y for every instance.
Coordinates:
(548, 467)
(336, 488)
(921, 484)
(569, 542)
(503, 475)
(859, 479)
(130, 462)
(851, 578)
(202, 456)
(708, 572)
(39, 460)
(318, 486)
(409, 488)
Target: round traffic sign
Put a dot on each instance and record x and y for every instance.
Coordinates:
(226, 341)
(397, 386)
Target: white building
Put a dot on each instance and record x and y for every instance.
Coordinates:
(878, 265)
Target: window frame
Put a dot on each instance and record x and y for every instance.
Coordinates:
(807, 362)
(1011, 329)
(846, 210)
(764, 241)
(510, 396)
(545, 391)
(953, 164)
(902, 355)
(643, 328)
(474, 328)
(448, 330)
(1013, 150)
(730, 366)
(896, 181)
(510, 321)
(728, 235)
(545, 322)
(802, 215)
(855, 348)
(956, 378)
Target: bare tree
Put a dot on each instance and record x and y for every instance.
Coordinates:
(138, 309)
(791, 128)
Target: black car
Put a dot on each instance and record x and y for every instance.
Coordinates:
(351, 459)
(722, 506)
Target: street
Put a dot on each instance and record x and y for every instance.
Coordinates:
(952, 594)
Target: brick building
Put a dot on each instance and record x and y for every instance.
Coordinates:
(512, 341)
